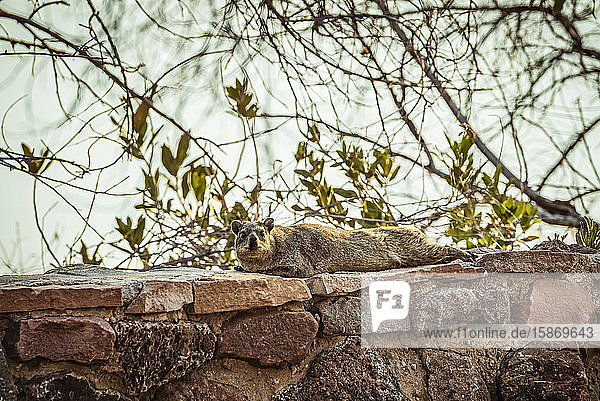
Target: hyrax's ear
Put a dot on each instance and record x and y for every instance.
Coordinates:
(236, 226)
(269, 223)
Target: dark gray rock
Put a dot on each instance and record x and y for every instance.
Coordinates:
(8, 392)
(152, 353)
(539, 261)
(442, 307)
(340, 316)
(542, 374)
(345, 372)
(556, 245)
(64, 386)
(452, 376)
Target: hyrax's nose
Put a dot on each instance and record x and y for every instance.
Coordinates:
(253, 242)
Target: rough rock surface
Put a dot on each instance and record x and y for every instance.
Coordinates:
(442, 306)
(345, 372)
(239, 291)
(152, 353)
(326, 284)
(336, 284)
(270, 339)
(8, 392)
(20, 298)
(557, 245)
(162, 296)
(542, 374)
(204, 389)
(129, 281)
(64, 386)
(61, 338)
(539, 262)
(452, 376)
(556, 301)
(340, 316)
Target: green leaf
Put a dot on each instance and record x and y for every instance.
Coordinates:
(303, 173)
(26, 150)
(185, 185)
(198, 184)
(255, 193)
(139, 118)
(169, 161)
(395, 172)
(529, 238)
(300, 151)
(314, 133)
(346, 193)
(95, 259)
(182, 149)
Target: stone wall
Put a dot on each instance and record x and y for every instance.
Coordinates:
(89, 333)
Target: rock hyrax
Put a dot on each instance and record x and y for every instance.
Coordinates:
(307, 249)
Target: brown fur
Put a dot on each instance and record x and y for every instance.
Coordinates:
(307, 249)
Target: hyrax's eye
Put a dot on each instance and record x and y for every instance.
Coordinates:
(243, 234)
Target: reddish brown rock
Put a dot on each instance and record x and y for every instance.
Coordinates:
(541, 374)
(62, 338)
(556, 301)
(22, 299)
(162, 296)
(240, 291)
(64, 386)
(203, 389)
(452, 376)
(538, 261)
(345, 373)
(271, 339)
(153, 353)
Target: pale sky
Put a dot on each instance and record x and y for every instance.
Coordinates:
(36, 116)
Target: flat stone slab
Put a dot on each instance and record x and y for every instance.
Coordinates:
(162, 296)
(553, 300)
(22, 299)
(271, 339)
(539, 262)
(334, 284)
(240, 291)
(343, 283)
(129, 282)
(62, 338)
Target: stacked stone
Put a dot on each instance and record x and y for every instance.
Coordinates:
(90, 333)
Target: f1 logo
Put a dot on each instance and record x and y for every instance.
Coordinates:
(389, 300)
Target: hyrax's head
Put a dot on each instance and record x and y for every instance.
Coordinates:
(253, 243)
